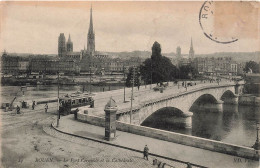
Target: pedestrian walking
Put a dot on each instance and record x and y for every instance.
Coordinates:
(18, 110)
(189, 165)
(33, 105)
(46, 108)
(146, 150)
(23, 105)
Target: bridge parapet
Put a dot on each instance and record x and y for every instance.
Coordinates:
(181, 100)
(153, 101)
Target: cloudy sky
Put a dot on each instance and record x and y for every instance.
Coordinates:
(34, 27)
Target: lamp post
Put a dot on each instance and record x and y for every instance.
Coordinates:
(124, 81)
(256, 146)
(132, 95)
(90, 57)
(151, 74)
(90, 79)
(58, 112)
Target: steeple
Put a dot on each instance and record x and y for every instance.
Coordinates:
(90, 30)
(91, 37)
(69, 40)
(69, 45)
(191, 45)
(191, 53)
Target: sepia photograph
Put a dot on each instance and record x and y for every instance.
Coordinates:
(130, 84)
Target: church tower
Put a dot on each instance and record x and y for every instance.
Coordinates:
(91, 37)
(62, 45)
(69, 45)
(191, 53)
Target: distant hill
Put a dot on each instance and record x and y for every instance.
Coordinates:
(237, 56)
(124, 55)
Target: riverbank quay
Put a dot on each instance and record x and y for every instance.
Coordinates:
(249, 100)
(29, 141)
(69, 125)
(142, 94)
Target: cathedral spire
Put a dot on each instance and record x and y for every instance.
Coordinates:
(91, 31)
(69, 40)
(91, 36)
(191, 45)
(191, 53)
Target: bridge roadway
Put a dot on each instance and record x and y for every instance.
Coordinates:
(145, 95)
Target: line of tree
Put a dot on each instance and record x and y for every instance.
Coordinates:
(252, 66)
(158, 69)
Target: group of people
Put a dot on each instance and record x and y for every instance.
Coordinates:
(18, 110)
(146, 152)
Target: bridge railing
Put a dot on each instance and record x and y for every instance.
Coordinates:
(157, 96)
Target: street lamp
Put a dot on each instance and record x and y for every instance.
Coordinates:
(58, 112)
(256, 146)
(132, 95)
(151, 74)
(90, 80)
(124, 81)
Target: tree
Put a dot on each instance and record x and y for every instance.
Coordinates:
(253, 66)
(158, 68)
(129, 79)
(186, 71)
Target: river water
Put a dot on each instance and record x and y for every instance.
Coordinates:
(47, 91)
(232, 123)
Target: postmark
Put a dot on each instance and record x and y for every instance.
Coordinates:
(207, 19)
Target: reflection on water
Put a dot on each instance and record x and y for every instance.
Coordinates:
(231, 123)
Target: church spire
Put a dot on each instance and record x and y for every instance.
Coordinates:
(191, 45)
(191, 53)
(91, 36)
(91, 31)
(69, 40)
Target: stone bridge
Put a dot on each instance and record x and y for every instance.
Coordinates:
(183, 102)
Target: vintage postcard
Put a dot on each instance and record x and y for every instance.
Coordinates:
(169, 84)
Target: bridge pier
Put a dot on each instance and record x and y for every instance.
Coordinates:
(220, 105)
(184, 121)
(187, 119)
(233, 100)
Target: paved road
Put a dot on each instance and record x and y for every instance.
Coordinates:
(164, 148)
(143, 95)
(28, 141)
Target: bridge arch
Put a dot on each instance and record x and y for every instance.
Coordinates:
(182, 101)
(166, 115)
(203, 100)
(228, 94)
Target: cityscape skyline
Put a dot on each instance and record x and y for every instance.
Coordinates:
(110, 37)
